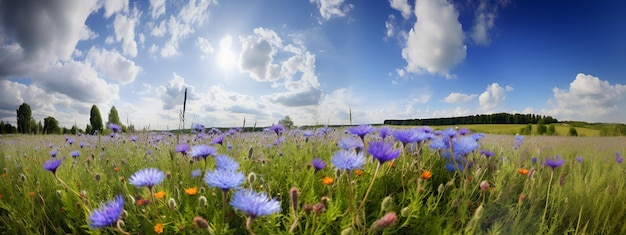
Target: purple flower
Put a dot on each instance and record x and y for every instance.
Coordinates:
(107, 214)
(487, 153)
(384, 131)
(254, 204)
(134, 139)
(148, 177)
(278, 128)
(618, 158)
(518, 141)
(81, 144)
(54, 153)
(182, 148)
(438, 144)
(406, 136)
(383, 151)
(75, 154)
(464, 145)
(224, 179)
(197, 127)
(318, 164)
(202, 151)
(449, 133)
(554, 163)
(347, 143)
(114, 127)
(348, 160)
(52, 165)
(534, 160)
(362, 130)
(464, 131)
(308, 133)
(196, 173)
(223, 162)
(70, 141)
(218, 140)
(579, 159)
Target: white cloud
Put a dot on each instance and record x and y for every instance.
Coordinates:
(590, 99)
(256, 57)
(459, 98)
(484, 20)
(173, 93)
(204, 45)
(402, 6)
(160, 30)
(436, 42)
(493, 97)
(308, 97)
(114, 6)
(157, 8)
(113, 65)
(124, 27)
(332, 8)
(457, 112)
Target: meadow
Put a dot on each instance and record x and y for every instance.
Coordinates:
(317, 181)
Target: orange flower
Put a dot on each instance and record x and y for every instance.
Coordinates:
(158, 228)
(142, 202)
(522, 171)
(31, 194)
(160, 195)
(4, 175)
(191, 191)
(358, 172)
(328, 180)
(426, 175)
(116, 169)
(391, 164)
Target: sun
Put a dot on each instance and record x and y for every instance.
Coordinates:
(226, 59)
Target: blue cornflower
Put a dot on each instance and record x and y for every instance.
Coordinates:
(70, 141)
(278, 128)
(618, 158)
(533, 160)
(223, 162)
(554, 163)
(81, 144)
(438, 144)
(383, 151)
(254, 204)
(203, 151)
(449, 133)
(348, 160)
(347, 143)
(579, 159)
(75, 154)
(52, 165)
(148, 177)
(114, 127)
(451, 167)
(464, 145)
(196, 173)
(197, 127)
(107, 214)
(182, 148)
(318, 164)
(464, 131)
(362, 130)
(518, 141)
(134, 139)
(54, 153)
(406, 136)
(487, 153)
(218, 140)
(385, 131)
(224, 179)
(308, 133)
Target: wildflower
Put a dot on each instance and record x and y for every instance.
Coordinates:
(384, 131)
(278, 128)
(487, 153)
(52, 165)
(218, 140)
(464, 131)
(54, 153)
(426, 175)
(358, 172)
(142, 202)
(191, 191)
(518, 140)
(196, 173)
(70, 141)
(361, 131)
(31, 194)
(197, 127)
(223, 162)
(81, 144)
(107, 214)
(453, 167)
(383, 151)
(386, 221)
(224, 179)
(579, 159)
(159, 195)
(554, 163)
(318, 164)
(114, 127)
(348, 160)
(464, 145)
(148, 177)
(134, 139)
(182, 148)
(405, 136)
(522, 171)
(158, 228)
(348, 143)
(328, 180)
(484, 186)
(75, 154)
(254, 204)
(618, 158)
(203, 151)
(533, 160)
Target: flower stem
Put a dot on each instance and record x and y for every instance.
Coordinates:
(545, 209)
(248, 224)
(224, 203)
(367, 193)
(119, 227)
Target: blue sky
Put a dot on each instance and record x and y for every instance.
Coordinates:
(312, 60)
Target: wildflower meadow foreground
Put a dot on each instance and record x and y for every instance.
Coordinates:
(354, 180)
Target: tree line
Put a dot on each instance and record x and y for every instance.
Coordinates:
(496, 118)
(26, 124)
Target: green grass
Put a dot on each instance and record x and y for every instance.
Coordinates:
(582, 197)
(512, 129)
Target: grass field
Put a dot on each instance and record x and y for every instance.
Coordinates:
(496, 185)
(512, 129)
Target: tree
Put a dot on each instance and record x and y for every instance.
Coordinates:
(114, 117)
(541, 127)
(51, 125)
(286, 122)
(551, 130)
(24, 117)
(573, 132)
(95, 119)
(88, 129)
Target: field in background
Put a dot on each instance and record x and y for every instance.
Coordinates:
(512, 129)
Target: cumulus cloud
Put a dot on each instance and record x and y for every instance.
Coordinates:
(113, 65)
(307, 97)
(436, 42)
(402, 6)
(257, 55)
(173, 93)
(124, 27)
(157, 8)
(484, 20)
(114, 6)
(589, 98)
(493, 97)
(204, 45)
(455, 97)
(181, 25)
(332, 8)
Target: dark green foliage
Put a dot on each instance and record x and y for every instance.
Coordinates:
(496, 118)
(95, 119)
(24, 117)
(114, 117)
(541, 128)
(7, 128)
(286, 122)
(573, 132)
(51, 125)
(551, 130)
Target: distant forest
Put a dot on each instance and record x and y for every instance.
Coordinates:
(496, 118)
